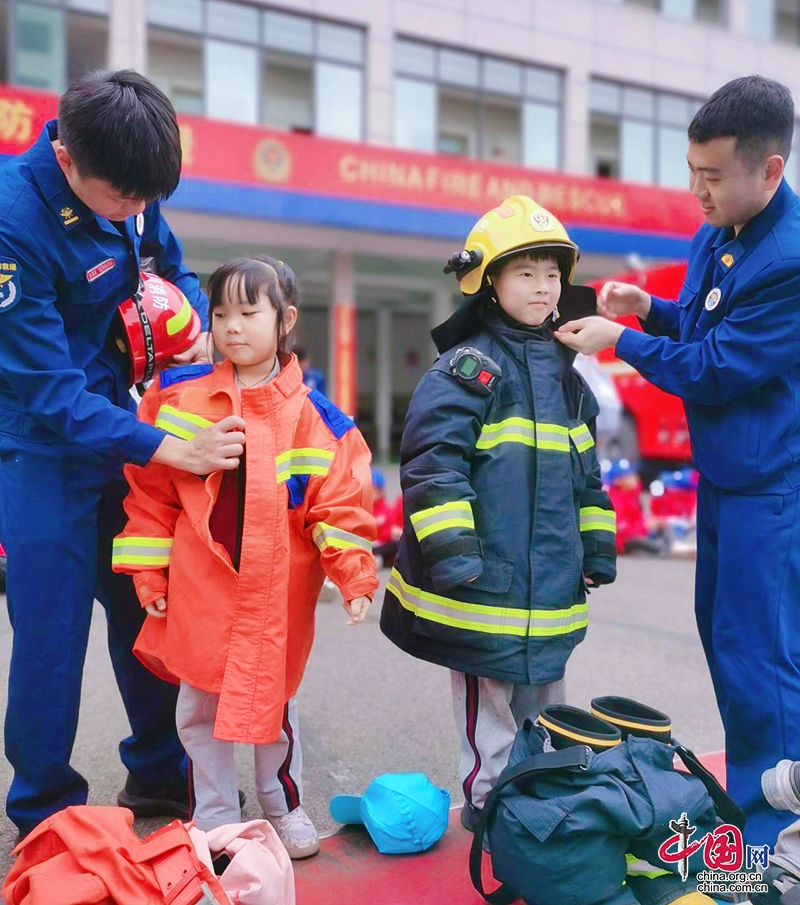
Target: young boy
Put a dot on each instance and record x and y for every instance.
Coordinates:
(506, 521)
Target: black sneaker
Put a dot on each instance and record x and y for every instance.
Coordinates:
(159, 800)
(470, 818)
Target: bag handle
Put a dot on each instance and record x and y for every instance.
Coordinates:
(549, 762)
(728, 810)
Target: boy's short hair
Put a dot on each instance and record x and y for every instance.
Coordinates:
(532, 254)
(758, 112)
(118, 127)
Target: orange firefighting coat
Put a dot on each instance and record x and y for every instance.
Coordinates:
(246, 636)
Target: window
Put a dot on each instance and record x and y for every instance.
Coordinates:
(462, 103)
(241, 62)
(712, 11)
(786, 15)
(761, 18)
(53, 42)
(639, 135)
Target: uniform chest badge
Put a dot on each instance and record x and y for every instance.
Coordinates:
(139, 224)
(727, 260)
(103, 267)
(713, 299)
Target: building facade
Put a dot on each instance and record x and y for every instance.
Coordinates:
(359, 140)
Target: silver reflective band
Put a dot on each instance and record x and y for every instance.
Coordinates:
(593, 518)
(328, 536)
(180, 424)
(493, 620)
(440, 518)
(303, 461)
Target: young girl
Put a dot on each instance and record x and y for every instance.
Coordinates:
(229, 566)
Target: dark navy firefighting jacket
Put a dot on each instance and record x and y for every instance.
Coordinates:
(730, 349)
(63, 273)
(504, 511)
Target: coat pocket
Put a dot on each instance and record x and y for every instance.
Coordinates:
(466, 618)
(496, 577)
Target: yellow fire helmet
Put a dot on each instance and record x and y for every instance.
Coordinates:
(517, 224)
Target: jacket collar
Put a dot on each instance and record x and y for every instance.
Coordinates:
(68, 208)
(223, 378)
(729, 249)
(70, 211)
(515, 336)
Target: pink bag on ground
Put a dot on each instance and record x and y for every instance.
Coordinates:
(260, 871)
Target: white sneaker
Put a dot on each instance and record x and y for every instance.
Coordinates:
(297, 833)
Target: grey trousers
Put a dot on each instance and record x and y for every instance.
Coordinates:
(278, 767)
(488, 714)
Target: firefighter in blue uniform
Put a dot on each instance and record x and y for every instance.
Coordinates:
(79, 212)
(731, 349)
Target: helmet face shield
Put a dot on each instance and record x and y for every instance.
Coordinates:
(518, 224)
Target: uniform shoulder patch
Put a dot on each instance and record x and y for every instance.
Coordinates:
(171, 376)
(10, 284)
(338, 423)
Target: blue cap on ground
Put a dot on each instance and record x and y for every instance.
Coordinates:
(403, 812)
(378, 480)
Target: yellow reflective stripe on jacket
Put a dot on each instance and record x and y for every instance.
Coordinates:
(581, 437)
(511, 430)
(181, 424)
(327, 536)
(303, 461)
(522, 430)
(593, 518)
(440, 518)
(552, 436)
(639, 868)
(493, 620)
(141, 551)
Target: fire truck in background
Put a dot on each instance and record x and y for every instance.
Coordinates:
(652, 429)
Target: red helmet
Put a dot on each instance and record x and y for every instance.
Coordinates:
(158, 323)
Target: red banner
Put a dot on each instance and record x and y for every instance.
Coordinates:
(230, 152)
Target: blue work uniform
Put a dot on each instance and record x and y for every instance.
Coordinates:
(67, 426)
(731, 349)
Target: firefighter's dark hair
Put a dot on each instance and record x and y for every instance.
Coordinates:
(758, 112)
(249, 277)
(118, 127)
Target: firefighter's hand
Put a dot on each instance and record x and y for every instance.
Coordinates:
(215, 448)
(198, 353)
(357, 609)
(618, 299)
(589, 334)
(589, 581)
(157, 608)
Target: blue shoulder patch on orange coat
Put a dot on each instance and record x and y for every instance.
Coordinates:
(338, 423)
(185, 372)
